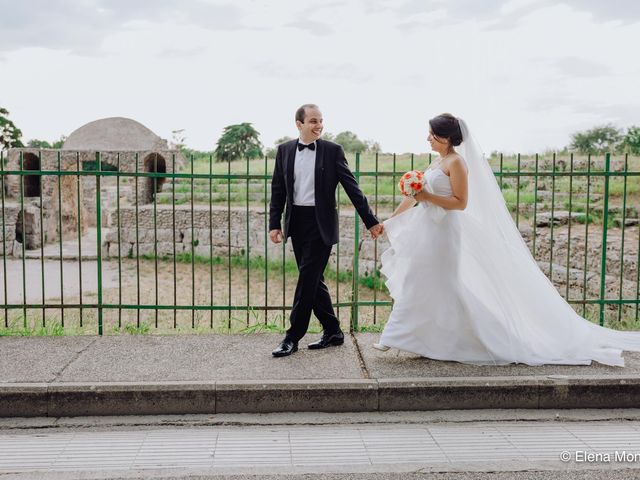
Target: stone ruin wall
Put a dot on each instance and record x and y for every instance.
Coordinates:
(201, 234)
(12, 228)
(46, 190)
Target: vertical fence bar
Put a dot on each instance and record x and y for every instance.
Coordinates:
(4, 243)
(173, 218)
(137, 193)
(356, 254)
(567, 294)
(211, 240)
(637, 316)
(119, 243)
(193, 255)
(338, 260)
(99, 240)
(266, 240)
(553, 212)
(229, 240)
(393, 182)
(60, 237)
(22, 243)
(155, 229)
(535, 205)
(247, 241)
(624, 220)
(518, 194)
(79, 196)
(375, 248)
(586, 239)
(605, 222)
(501, 171)
(42, 286)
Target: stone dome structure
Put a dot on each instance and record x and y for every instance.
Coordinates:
(114, 134)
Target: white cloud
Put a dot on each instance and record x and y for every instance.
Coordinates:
(524, 73)
(82, 25)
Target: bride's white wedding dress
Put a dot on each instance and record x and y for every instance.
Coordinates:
(466, 288)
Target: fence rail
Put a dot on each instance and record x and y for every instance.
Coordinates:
(108, 242)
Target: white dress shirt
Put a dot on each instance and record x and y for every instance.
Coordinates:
(304, 177)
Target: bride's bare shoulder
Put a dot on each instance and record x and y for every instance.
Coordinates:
(457, 160)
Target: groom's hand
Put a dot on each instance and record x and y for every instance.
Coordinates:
(275, 236)
(376, 231)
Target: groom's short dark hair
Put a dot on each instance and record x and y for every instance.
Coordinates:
(301, 112)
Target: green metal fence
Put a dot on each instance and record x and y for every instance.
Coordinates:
(164, 244)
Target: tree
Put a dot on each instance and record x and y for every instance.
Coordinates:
(35, 143)
(282, 140)
(58, 143)
(271, 152)
(631, 141)
(9, 134)
(350, 142)
(373, 146)
(330, 137)
(598, 140)
(238, 141)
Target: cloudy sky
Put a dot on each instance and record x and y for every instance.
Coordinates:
(525, 74)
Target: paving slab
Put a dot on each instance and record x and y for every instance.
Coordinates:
(38, 359)
(147, 358)
(397, 364)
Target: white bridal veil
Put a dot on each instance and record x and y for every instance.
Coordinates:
(497, 267)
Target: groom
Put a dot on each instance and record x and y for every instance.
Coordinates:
(305, 179)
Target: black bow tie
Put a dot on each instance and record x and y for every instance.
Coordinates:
(302, 146)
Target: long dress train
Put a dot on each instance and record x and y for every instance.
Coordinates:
(468, 290)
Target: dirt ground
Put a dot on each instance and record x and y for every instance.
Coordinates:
(193, 286)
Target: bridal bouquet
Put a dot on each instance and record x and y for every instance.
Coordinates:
(411, 183)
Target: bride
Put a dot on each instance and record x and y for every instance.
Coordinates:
(464, 283)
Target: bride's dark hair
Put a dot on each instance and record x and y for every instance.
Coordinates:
(447, 126)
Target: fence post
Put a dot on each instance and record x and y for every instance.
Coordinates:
(605, 221)
(356, 255)
(99, 241)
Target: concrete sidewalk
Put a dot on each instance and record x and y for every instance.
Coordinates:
(190, 374)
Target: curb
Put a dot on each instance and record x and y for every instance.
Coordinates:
(358, 395)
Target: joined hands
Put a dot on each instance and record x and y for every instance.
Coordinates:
(376, 231)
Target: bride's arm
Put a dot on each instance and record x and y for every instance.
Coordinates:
(459, 187)
(405, 205)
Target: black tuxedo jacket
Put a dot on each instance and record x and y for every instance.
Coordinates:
(331, 167)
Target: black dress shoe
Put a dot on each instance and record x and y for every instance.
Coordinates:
(328, 340)
(287, 347)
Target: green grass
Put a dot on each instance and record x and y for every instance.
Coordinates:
(616, 186)
(525, 197)
(17, 329)
(377, 328)
(134, 329)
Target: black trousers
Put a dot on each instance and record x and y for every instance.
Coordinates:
(312, 293)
